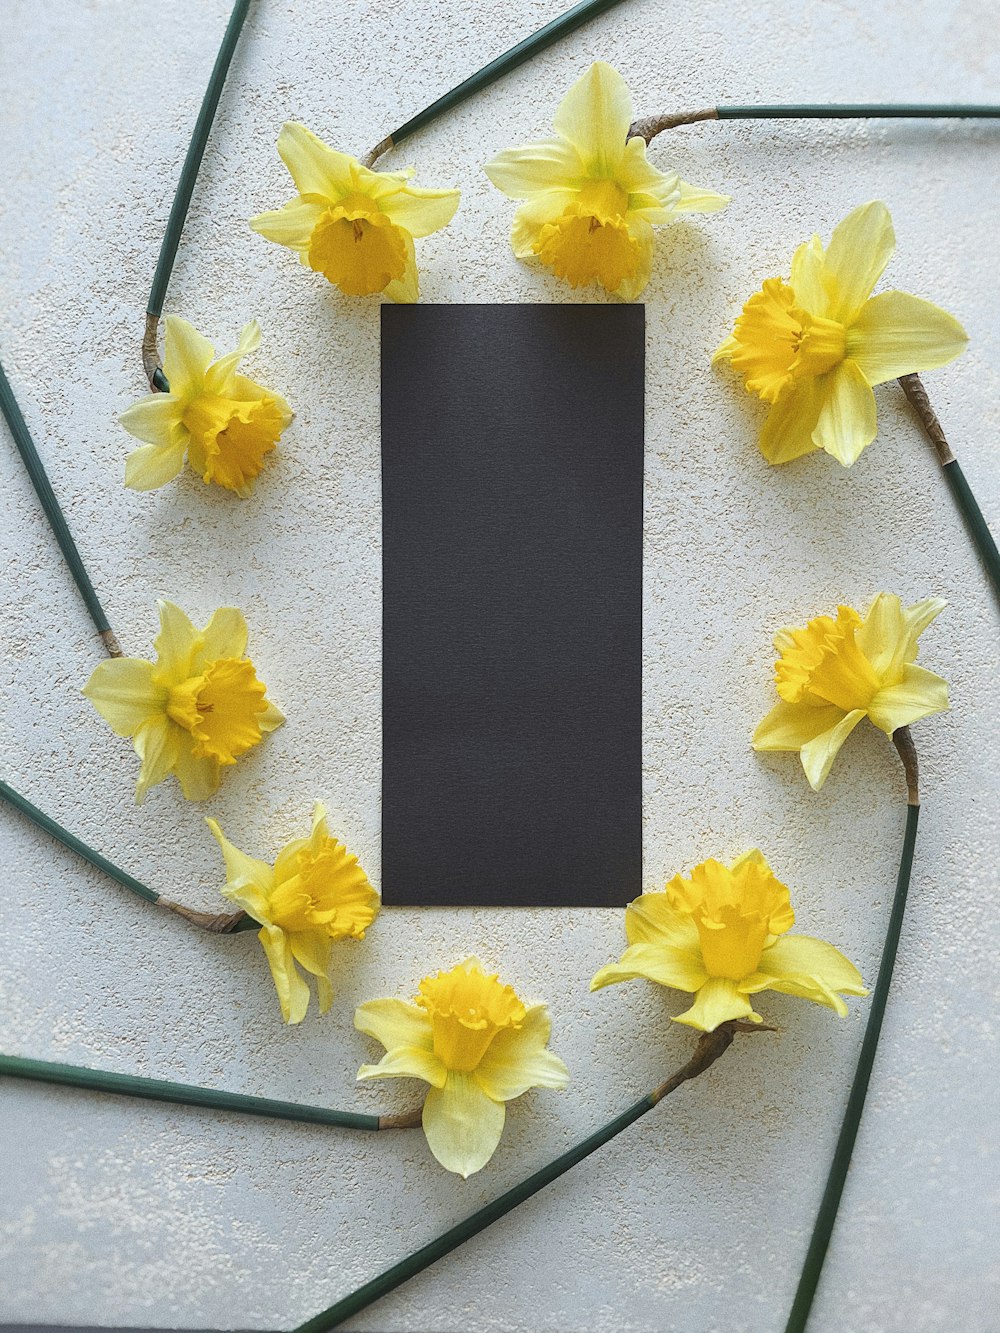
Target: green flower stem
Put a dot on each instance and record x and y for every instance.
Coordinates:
(827, 1215)
(158, 1090)
(496, 69)
(650, 126)
(57, 520)
(975, 523)
(710, 1046)
(221, 923)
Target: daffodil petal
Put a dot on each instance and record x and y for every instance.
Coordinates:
(532, 216)
(531, 168)
(225, 635)
(420, 211)
(462, 1124)
(292, 225)
(315, 167)
(637, 176)
(888, 636)
(407, 1062)
(632, 288)
(312, 949)
(896, 334)
(186, 356)
(249, 881)
(847, 422)
(220, 373)
(271, 718)
(790, 726)
(516, 1059)
(650, 919)
(806, 277)
(918, 694)
(665, 964)
(293, 992)
(717, 1002)
(787, 432)
(855, 259)
(406, 290)
(595, 116)
(123, 692)
(150, 467)
(176, 642)
(156, 745)
(198, 776)
(395, 1023)
(693, 199)
(154, 419)
(809, 968)
(818, 755)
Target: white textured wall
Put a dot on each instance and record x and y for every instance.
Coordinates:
(697, 1218)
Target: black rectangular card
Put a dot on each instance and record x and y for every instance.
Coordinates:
(512, 462)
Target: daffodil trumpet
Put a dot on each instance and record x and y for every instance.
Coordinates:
(710, 1046)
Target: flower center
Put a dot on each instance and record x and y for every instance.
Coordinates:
(229, 438)
(584, 247)
(467, 1010)
(357, 248)
(822, 663)
(736, 911)
(323, 888)
(777, 342)
(219, 708)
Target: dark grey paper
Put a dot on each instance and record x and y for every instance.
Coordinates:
(512, 460)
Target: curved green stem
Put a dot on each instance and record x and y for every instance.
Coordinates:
(710, 1046)
(220, 923)
(57, 519)
(827, 1215)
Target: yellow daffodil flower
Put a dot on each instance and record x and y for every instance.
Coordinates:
(353, 225)
(834, 672)
(195, 709)
(315, 893)
(224, 422)
(591, 199)
(813, 346)
(721, 935)
(476, 1044)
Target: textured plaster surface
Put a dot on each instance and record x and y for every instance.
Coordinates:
(697, 1218)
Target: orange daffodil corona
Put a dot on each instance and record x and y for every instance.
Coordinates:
(591, 198)
(224, 422)
(836, 671)
(315, 893)
(478, 1046)
(194, 710)
(354, 225)
(720, 934)
(812, 346)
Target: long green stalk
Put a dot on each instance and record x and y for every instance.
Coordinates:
(853, 110)
(710, 1046)
(830, 1202)
(122, 877)
(57, 520)
(158, 1090)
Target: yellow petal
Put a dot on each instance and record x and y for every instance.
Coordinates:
(680, 969)
(175, 644)
(855, 259)
(790, 726)
(693, 199)
(647, 186)
(717, 1002)
(405, 290)
(311, 949)
(271, 718)
(595, 116)
(123, 692)
(395, 1023)
(407, 1062)
(818, 755)
(532, 216)
(462, 1125)
(186, 356)
(314, 166)
(896, 334)
(248, 881)
(292, 225)
(225, 635)
(150, 467)
(633, 287)
(651, 920)
(809, 968)
(847, 423)
(293, 993)
(888, 636)
(807, 278)
(918, 694)
(198, 775)
(220, 373)
(788, 431)
(155, 419)
(420, 211)
(156, 745)
(535, 167)
(517, 1059)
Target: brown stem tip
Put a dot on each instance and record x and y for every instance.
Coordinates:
(710, 1046)
(903, 742)
(220, 923)
(917, 394)
(407, 1120)
(650, 126)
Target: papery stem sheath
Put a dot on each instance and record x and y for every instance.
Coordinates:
(219, 923)
(57, 520)
(830, 1202)
(158, 1090)
(710, 1046)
